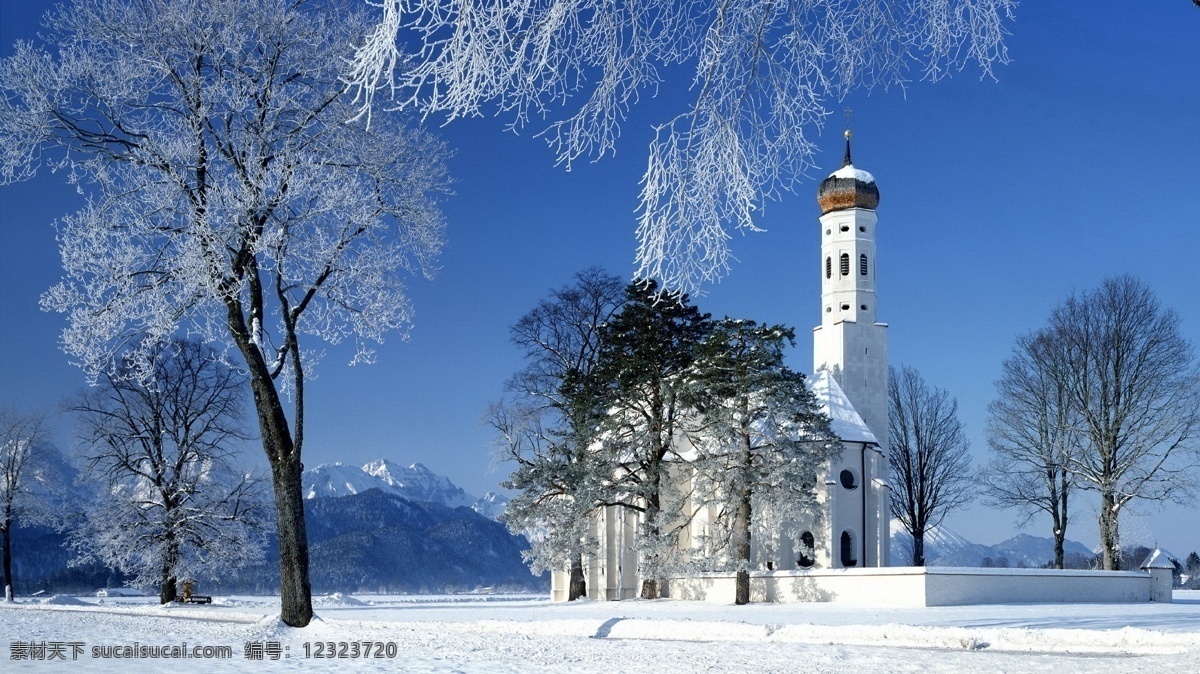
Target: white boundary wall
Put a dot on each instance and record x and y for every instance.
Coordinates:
(925, 586)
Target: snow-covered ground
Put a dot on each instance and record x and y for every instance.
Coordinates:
(500, 633)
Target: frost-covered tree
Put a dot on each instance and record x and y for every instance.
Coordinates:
(558, 488)
(1134, 383)
(229, 197)
(24, 442)
(928, 456)
(645, 351)
(548, 423)
(763, 74)
(165, 435)
(760, 440)
(1033, 432)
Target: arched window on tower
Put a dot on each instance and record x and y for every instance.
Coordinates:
(847, 546)
(862, 264)
(845, 266)
(807, 551)
(828, 267)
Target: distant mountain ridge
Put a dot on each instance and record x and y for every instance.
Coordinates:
(378, 541)
(415, 483)
(944, 547)
(390, 528)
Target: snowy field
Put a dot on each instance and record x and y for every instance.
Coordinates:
(490, 634)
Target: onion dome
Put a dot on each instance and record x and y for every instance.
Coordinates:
(848, 187)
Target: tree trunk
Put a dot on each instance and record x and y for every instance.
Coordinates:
(296, 591)
(1110, 540)
(1059, 503)
(650, 587)
(741, 542)
(918, 557)
(294, 586)
(167, 589)
(6, 534)
(578, 585)
(284, 455)
(1059, 517)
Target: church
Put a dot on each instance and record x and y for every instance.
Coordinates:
(850, 381)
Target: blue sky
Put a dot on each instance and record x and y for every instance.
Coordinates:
(998, 199)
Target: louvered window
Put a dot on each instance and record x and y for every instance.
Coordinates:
(828, 267)
(845, 264)
(862, 264)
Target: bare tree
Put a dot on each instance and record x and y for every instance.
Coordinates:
(1134, 383)
(23, 436)
(548, 423)
(764, 73)
(927, 453)
(165, 436)
(229, 198)
(1032, 432)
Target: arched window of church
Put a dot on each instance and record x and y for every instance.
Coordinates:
(847, 546)
(862, 264)
(845, 264)
(828, 267)
(848, 480)
(807, 553)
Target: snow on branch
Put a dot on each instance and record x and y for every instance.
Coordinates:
(764, 72)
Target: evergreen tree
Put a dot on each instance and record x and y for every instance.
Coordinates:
(1192, 566)
(760, 437)
(645, 352)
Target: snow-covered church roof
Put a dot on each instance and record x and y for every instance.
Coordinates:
(844, 419)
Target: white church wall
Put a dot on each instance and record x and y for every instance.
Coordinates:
(950, 587)
(921, 586)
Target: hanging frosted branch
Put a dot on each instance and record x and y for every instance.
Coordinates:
(764, 71)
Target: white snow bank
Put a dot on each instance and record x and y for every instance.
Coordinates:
(63, 600)
(338, 599)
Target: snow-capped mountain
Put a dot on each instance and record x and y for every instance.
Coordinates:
(389, 527)
(337, 479)
(415, 483)
(944, 547)
(418, 483)
(491, 505)
(381, 542)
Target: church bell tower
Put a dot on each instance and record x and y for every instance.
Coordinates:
(851, 348)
